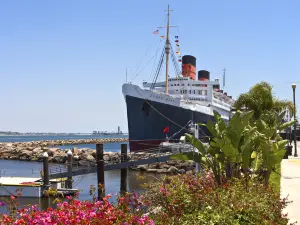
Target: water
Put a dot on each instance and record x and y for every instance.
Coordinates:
(83, 182)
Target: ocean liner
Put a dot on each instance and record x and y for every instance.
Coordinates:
(168, 108)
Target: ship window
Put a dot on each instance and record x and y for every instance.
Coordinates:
(194, 92)
(182, 85)
(190, 92)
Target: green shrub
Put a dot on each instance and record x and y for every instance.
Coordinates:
(191, 199)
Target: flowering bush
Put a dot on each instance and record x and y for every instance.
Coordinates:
(182, 199)
(126, 212)
(191, 199)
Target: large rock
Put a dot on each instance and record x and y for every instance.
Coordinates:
(90, 158)
(26, 153)
(173, 169)
(142, 167)
(151, 170)
(76, 157)
(164, 166)
(9, 145)
(154, 166)
(171, 162)
(75, 150)
(181, 171)
(190, 172)
(106, 158)
(53, 151)
(37, 150)
(83, 163)
(94, 153)
(162, 171)
(60, 158)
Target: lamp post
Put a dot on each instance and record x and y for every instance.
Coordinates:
(295, 125)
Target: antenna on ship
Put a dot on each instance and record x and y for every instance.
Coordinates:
(224, 73)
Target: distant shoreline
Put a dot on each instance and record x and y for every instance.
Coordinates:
(59, 134)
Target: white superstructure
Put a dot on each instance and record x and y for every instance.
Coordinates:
(184, 92)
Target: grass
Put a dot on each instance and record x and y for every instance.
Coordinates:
(275, 179)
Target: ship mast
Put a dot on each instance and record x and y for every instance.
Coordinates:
(167, 50)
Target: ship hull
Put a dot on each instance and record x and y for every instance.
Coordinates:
(147, 120)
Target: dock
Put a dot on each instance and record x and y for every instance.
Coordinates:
(59, 177)
(29, 186)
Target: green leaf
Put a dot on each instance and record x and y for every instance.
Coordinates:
(286, 125)
(202, 124)
(282, 143)
(196, 143)
(230, 152)
(211, 128)
(246, 153)
(195, 156)
(253, 155)
(217, 115)
(281, 115)
(275, 158)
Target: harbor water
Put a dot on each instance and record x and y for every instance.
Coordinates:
(82, 182)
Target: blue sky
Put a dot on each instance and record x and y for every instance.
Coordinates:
(62, 63)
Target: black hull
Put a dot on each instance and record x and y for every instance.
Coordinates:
(147, 120)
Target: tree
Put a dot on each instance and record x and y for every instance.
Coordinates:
(261, 101)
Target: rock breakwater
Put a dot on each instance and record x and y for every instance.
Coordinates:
(33, 151)
(47, 143)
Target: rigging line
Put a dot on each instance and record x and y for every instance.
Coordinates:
(167, 117)
(164, 115)
(157, 75)
(146, 53)
(75, 183)
(155, 58)
(181, 129)
(158, 69)
(1, 185)
(144, 66)
(175, 64)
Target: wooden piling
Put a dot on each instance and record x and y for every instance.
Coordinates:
(123, 181)
(100, 171)
(69, 180)
(45, 171)
(45, 202)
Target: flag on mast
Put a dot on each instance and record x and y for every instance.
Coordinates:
(156, 32)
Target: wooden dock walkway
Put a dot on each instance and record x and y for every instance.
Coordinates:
(125, 160)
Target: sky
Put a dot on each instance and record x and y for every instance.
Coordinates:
(63, 63)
